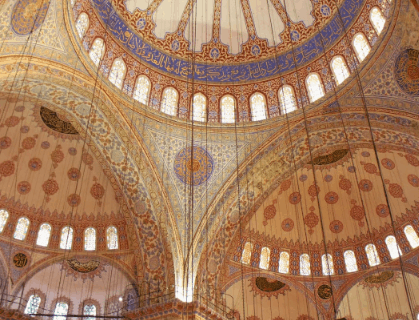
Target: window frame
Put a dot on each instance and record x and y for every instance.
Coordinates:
(281, 107)
(87, 27)
(84, 239)
(354, 47)
(27, 229)
(346, 264)
(72, 237)
(372, 23)
(235, 109)
(148, 92)
(265, 108)
(49, 235)
(117, 238)
(308, 87)
(192, 108)
(103, 51)
(5, 221)
(123, 77)
(176, 113)
(333, 69)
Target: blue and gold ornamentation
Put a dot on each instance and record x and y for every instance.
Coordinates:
(198, 170)
(28, 15)
(406, 71)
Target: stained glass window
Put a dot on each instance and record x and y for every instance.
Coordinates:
(169, 101)
(43, 235)
(372, 254)
(142, 89)
(393, 247)
(112, 238)
(315, 87)
(66, 240)
(361, 45)
(228, 109)
(350, 261)
(21, 229)
(89, 310)
(284, 262)
(61, 310)
(4, 215)
(97, 50)
(33, 304)
(340, 70)
(305, 264)
(199, 106)
(117, 74)
(247, 253)
(265, 256)
(377, 20)
(90, 239)
(411, 236)
(287, 99)
(327, 265)
(82, 24)
(258, 107)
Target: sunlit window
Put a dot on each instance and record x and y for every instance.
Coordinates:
(117, 74)
(265, 256)
(284, 262)
(305, 264)
(361, 46)
(21, 229)
(33, 304)
(411, 236)
(90, 239)
(258, 107)
(350, 261)
(314, 86)
(340, 70)
(247, 253)
(142, 89)
(72, 2)
(66, 240)
(82, 24)
(97, 50)
(377, 19)
(89, 310)
(4, 215)
(199, 108)
(43, 235)
(287, 99)
(60, 311)
(169, 102)
(112, 238)
(393, 247)
(327, 265)
(228, 109)
(372, 254)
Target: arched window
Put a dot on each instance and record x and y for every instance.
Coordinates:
(60, 311)
(340, 70)
(169, 102)
(287, 99)
(372, 254)
(350, 261)
(117, 74)
(112, 238)
(89, 310)
(4, 215)
(284, 262)
(327, 265)
(21, 229)
(33, 304)
(258, 106)
(377, 20)
(228, 109)
(82, 24)
(247, 253)
(66, 239)
(43, 235)
(97, 50)
(265, 257)
(361, 46)
(314, 86)
(411, 236)
(90, 239)
(393, 247)
(199, 108)
(142, 89)
(305, 264)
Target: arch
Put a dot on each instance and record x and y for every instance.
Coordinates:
(350, 261)
(247, 253)
(89, 302)
(61, 310)
(340, 69)
(142, 89)
(112, 238)
(411, 236)
(287, 99)
(314, 87)
(169, 102)
(82, 24)
(305, 265)
(361, 46)
(89, 310)
(393, 247)
(90, 239)
(21, 228)
(228, 109)
(117, 73)
(66, 240)
(44, 234)
(33, 304)
(97, 50)
(199, 107)
(284, 262)
(327, 265)
(372, 255)
(377, 19)
(4, 216)
(265, 257)
(258, 106)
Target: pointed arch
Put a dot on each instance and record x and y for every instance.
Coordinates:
(228, 109)
(97, 51)
(117, 73)
(361, 46)
(82, 24)
(258, 106)
(340, 69)
(314, 87)
(377, 20)
(142, 89)
(287, 99)
(169, 102)
(199, 107)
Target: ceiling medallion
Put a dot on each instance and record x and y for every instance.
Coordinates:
(83, 267)
(28, 15)
(20, 260)
(380, 279)
(329, 158)
(406, 71)
(268, 287)
(193, 170)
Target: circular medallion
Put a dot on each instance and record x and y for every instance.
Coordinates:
(20, 260)
(324, 291)
(28, 15)
(406, 71)
(193, 170)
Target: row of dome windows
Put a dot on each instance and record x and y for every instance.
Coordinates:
(258, 108)
(66, 240)
(327, 260)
